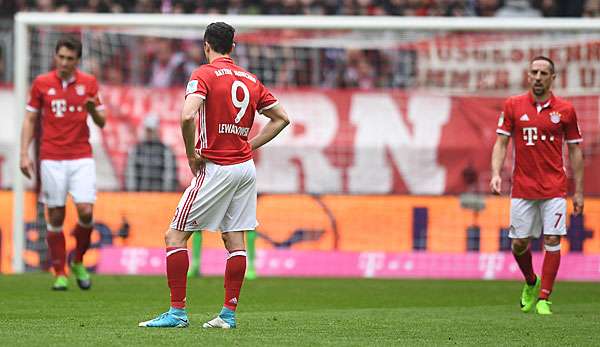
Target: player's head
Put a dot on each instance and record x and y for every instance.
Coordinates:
(218, 37)
(541, 74)
(66, 55)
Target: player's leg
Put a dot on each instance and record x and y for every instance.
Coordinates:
(240, 217)
(82, 233)
(53, 195)
(554, 215)
(199, 208)
(82, 187)
(177, 268)
(235, 270)
(57, 246)
(524, 222)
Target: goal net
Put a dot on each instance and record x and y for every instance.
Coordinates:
(386, 162)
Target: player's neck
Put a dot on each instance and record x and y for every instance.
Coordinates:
(542, 99)
(66, 77)
(214, 56)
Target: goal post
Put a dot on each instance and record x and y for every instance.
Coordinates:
(25, 22)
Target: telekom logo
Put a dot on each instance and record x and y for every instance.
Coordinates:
(530, 134)
(59, 107)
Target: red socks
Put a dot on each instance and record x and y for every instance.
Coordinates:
(177, 268)
(82, 235)
(234, 277)
(526, 266)
(549, 271)
(58, 253)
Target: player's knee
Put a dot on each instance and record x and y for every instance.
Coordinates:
(175, 238)
(85, 220)
(519, 245)
(233, 240)
(56, 216)
(552, 240)
(167, 237)
(85, 214)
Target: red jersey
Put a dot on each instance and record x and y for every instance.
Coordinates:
(539, 132)
(65, 133)
(231, 98)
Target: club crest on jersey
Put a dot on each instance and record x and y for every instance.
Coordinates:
(501, 119)
(555, 117)
(80, 89)
(51, 91)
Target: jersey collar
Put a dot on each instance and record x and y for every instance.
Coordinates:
(548, 103)
(73, 78)
(223, 59)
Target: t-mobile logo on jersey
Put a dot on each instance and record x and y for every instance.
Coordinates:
(59, 107)
(530, 134)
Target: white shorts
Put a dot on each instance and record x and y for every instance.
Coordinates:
(76, 177)
(528, 218)
(220, 197)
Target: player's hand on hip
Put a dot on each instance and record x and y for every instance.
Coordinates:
(496, 185)
(577, 203)
(26, 166)
(90, 104)
(195, 161)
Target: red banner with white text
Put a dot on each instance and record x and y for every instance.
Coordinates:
(354, 142)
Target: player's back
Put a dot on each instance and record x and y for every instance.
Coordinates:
(232, 96)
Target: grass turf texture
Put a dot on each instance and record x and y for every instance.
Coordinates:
(279, 312)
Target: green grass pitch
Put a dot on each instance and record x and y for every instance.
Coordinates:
(291, 312)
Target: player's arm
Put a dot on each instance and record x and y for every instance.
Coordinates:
(192, 104)
(26, 138)
(498, 155)
(576, 158)
(98, 116)
(278, 119)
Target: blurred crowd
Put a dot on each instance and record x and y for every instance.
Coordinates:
(162, 62)
(556, 8)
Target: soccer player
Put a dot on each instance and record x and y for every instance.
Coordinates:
(222, 196)
(63, 98)
(539, 123)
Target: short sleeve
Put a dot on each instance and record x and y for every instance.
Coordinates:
(94, 92)
(198, 83)
(266, 100)
(572, 131)
(34, 103)
(505, 121)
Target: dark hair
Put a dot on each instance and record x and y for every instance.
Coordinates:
(219, 36)
(541, 57)
(69, 42)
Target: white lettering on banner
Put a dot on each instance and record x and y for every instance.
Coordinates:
(381, 128)
(370, 263)
(490, 264)
(498, 62)
(134, 258)
(276, 171)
